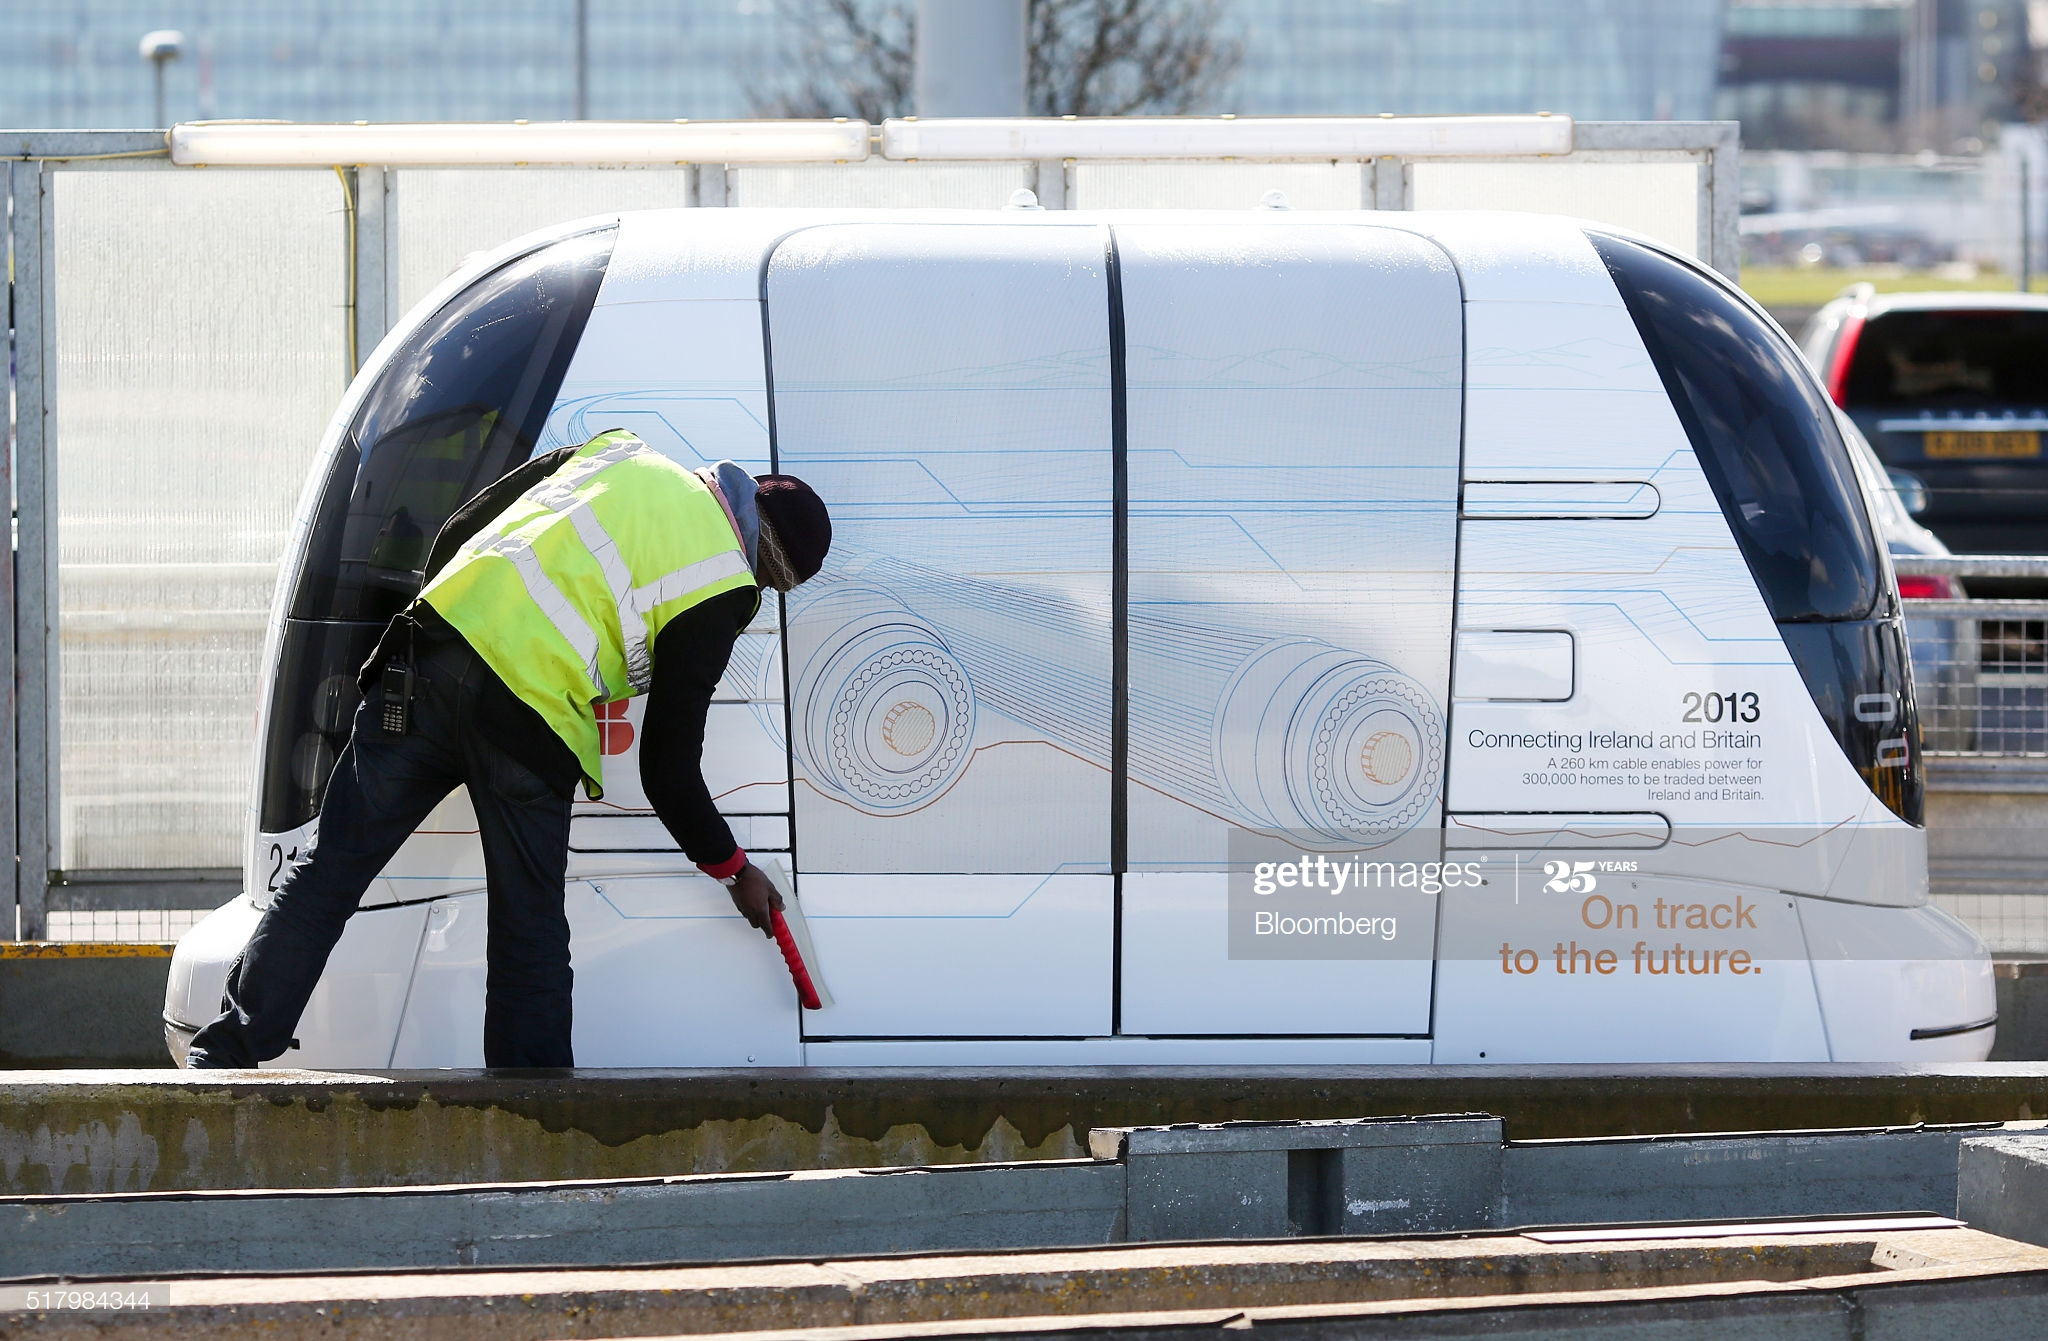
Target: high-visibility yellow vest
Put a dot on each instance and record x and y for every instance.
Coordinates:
(565, 592)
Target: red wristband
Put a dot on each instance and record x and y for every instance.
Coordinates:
(727, 869)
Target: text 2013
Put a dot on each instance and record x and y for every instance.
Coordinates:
(1743, 707)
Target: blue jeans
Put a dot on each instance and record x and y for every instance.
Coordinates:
(381, 788)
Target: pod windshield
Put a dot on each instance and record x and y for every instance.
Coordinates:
(459, 404)
(463, 400)
(1764, 435)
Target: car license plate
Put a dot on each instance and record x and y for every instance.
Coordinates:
(2005, 446)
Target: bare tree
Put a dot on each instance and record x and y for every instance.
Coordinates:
(1087, 58)
(1119, 57)
(857, 59)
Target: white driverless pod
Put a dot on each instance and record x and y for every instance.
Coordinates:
(1266, 637)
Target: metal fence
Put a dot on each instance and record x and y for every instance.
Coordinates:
(180, 335)
(1980, 668)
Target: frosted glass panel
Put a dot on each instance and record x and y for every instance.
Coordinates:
(446, 214)
(1659, 200)
(201, 347)
(1218, 186)
(880, 185)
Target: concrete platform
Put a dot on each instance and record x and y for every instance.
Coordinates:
(1830, 1281)
(110, 1131)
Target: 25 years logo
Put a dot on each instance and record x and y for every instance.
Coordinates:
(1569, 877)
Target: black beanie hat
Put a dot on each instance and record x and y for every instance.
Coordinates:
(800, 521)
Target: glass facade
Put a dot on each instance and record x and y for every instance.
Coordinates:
(1610, 60)
(75, 63)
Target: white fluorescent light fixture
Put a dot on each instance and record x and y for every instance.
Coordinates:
(1229, 137)
(289, 144)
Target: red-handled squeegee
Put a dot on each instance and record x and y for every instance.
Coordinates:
(793, 937)
(798, 973)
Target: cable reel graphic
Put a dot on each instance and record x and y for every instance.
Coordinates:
(887, 716)
(1316, 739)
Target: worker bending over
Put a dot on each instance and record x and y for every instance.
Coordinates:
(585, 576)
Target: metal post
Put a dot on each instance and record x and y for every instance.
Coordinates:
(1917, 78)
(371, 297)
(9, 927)
(970, 58)
(710, 185)
(1723, 181)
(1049, 183)
(35, 682)
(160, 48)
(1389, 184)
(2026, 224)
(583, 60)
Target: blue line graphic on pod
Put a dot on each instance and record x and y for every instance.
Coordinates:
(1289, 733)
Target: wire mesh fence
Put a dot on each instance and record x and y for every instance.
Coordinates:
(1980, 670)
(1982, 683)
(1980, 667)
(2012, 925)
(123, 925)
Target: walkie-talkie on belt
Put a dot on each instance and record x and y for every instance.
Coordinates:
(395, 712)
(394, 687)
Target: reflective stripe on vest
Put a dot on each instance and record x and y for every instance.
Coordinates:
(528, 580)
(558, 495)
(634, 603)
(573, 627)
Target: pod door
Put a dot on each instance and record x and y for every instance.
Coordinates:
(946, 389)
(1293, 419)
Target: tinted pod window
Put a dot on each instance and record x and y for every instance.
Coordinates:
(1767, 442)
(1764, 435)
(461, 402)
(1861, 678)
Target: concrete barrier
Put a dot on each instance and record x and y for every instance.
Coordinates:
(1251, 1180)
(82, 1004)
(708, 1218)
(1716, 1177)
(80, 1131)
(2022, 1010)
(2002, 1184)
(1236, 1181)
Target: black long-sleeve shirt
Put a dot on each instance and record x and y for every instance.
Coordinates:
(690, 656)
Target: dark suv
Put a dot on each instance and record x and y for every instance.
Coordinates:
(1951, 389)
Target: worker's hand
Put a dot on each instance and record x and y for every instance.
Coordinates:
(753, 893)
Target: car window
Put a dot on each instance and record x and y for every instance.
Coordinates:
(1954, 358)
(1895, 524)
